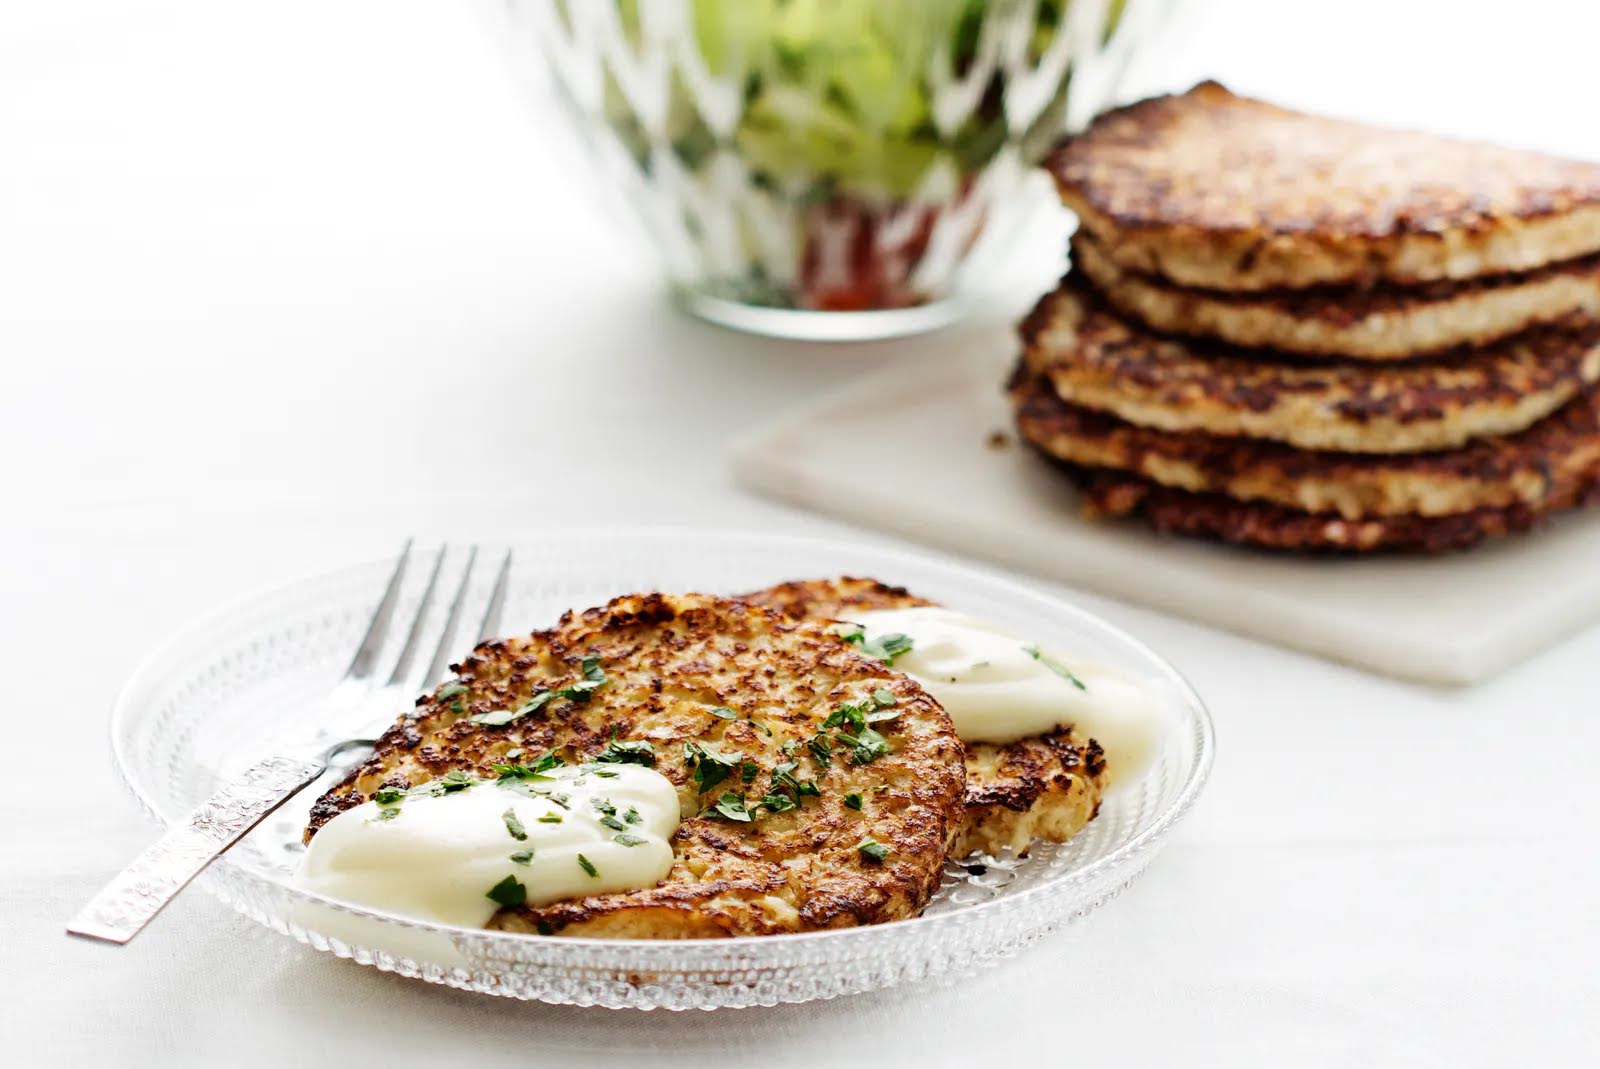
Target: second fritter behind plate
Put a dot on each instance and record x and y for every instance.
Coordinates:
(1045, 786)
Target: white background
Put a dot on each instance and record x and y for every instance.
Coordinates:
(282, 282)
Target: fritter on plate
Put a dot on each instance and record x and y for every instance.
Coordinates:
(1043, 787)
(686, 674)
(1219, 191)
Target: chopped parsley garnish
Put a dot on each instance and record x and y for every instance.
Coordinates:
(723, 711)
(731, 806)
(501, 717)
(632, 816)
(759, 726)
(866, 745)
(783, 776)
(1055, 666)
(513, 825)
(603, 805)
(821, 750)
(749, 771)
(548, 760)
(872, 850)
(884, 697)
(593, 678)
(710, 766)
(456, 780)
(790, 747)
(523, 857)
(508, 892)
(627, 752)
(853, 801)
(587, 866)
(777, 803)
(629, 840)
(388, 795)
(388, 812)
(550, 818)
(612, 822)
(884, 647)
(451, 690)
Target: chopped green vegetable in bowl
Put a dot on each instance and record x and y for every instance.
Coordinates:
(838, 155)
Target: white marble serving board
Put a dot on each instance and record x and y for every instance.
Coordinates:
(906, 450)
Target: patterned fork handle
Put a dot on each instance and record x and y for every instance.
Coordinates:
(130, 901)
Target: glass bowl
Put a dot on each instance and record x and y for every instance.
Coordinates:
(796, 157)
(219, 693)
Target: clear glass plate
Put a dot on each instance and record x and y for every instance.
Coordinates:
(220, 692)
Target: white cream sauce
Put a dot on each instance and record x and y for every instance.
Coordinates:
(436, 855)
(999, 688)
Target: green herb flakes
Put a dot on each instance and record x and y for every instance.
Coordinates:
(508, 893)
(853, 801)
(628, 752)
(587, 866)
(710, 766)
(513, 825)
(872, 850)
(625, 839)
(523, 857)
(1055, 666)
(732, 807)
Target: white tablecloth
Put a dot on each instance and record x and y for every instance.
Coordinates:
(280, 283)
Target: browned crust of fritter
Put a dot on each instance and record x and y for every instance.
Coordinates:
(1215, 190)
(1382, 324)
(1101, 360)
(1272, 527)
(668, 660)
(1043, 787)
(1534, 468)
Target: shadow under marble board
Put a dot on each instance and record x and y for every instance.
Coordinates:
(1453, 619)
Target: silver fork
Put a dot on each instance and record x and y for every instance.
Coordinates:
(353, 710)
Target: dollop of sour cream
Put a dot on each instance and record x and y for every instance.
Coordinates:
(999, 688)
(444, 852)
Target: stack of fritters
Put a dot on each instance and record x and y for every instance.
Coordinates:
(1295, 332)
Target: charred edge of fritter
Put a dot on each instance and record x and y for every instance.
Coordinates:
(1029, 775)
(1570, 432)
(1562, 357)
(1114, 494)
(826, 598)
(1342, 305)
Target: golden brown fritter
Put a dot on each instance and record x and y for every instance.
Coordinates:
(1042, 787)
(669, 660)
(1386, 323)
(1219, 191)
(1251, 523)
(1095, 358)
(1534, 468)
